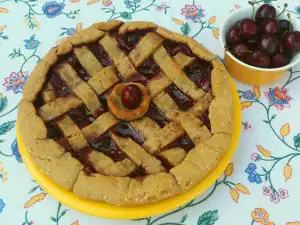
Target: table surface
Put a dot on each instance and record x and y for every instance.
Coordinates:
(260, 186)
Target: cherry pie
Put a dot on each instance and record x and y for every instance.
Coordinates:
(127, 113)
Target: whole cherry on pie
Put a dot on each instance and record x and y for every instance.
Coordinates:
(129, 101)
(131, 96)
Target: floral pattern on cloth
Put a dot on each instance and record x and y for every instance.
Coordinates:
(279, 97)
(263, 173)
(192, 12)
(53, 9)
(16, 81)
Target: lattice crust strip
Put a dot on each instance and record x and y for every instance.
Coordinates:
(153, 151)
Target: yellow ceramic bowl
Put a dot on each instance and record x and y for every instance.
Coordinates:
(244, 72)
(102, 209)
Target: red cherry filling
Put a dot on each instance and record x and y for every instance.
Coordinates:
(200, 72)
(105, 144)
(60, 87)
(183, 101)
(149, 68)
(173, 48)
(155, 114)
(128, 41)
(124, 129)
(81, 116)
(100, 54)
(131, 96)
(184, 142)
(53, 131)
(138, 173)
(265, 11)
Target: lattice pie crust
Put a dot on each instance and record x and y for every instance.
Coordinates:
(164, 157)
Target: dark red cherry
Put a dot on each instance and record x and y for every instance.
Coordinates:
(284, 26)
(241, 51)
(279, 60)
(149, 67)
(233, 36)
(269, 26)
(291, 41)
(131, 96)
(248, 28)
(265, 11)
(128, 41)
(259, 59)
(269, 43)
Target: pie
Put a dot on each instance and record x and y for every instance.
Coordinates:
(127, 113)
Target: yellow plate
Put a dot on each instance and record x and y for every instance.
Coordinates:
(102, 209)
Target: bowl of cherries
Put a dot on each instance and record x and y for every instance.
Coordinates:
(260, 43)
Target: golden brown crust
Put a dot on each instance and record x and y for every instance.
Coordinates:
(193, 126)
(136, 25)
(197, 164)
(102, 188)
(176, 74)
(103, 79)
(106, 26)
(44, 148)
(106, 166)
(86, 36)
(99, 126)
(36, 81)
(158, 84)
(139, 155)
(174, 156)
(58, 107)
(221, 115)
(151, 189)
(188, 169)
(31, 126)
(63, 170)
(51, 57)
(64, 48)
(72, 133)
(196, 47)
(145, 48)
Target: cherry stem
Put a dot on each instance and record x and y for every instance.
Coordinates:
(285, 6)
(289, 16)
(252, 3)
(264, 1)
(246, 51)
(283, 34)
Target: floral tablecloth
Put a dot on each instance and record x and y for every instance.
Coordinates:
(260, 186)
